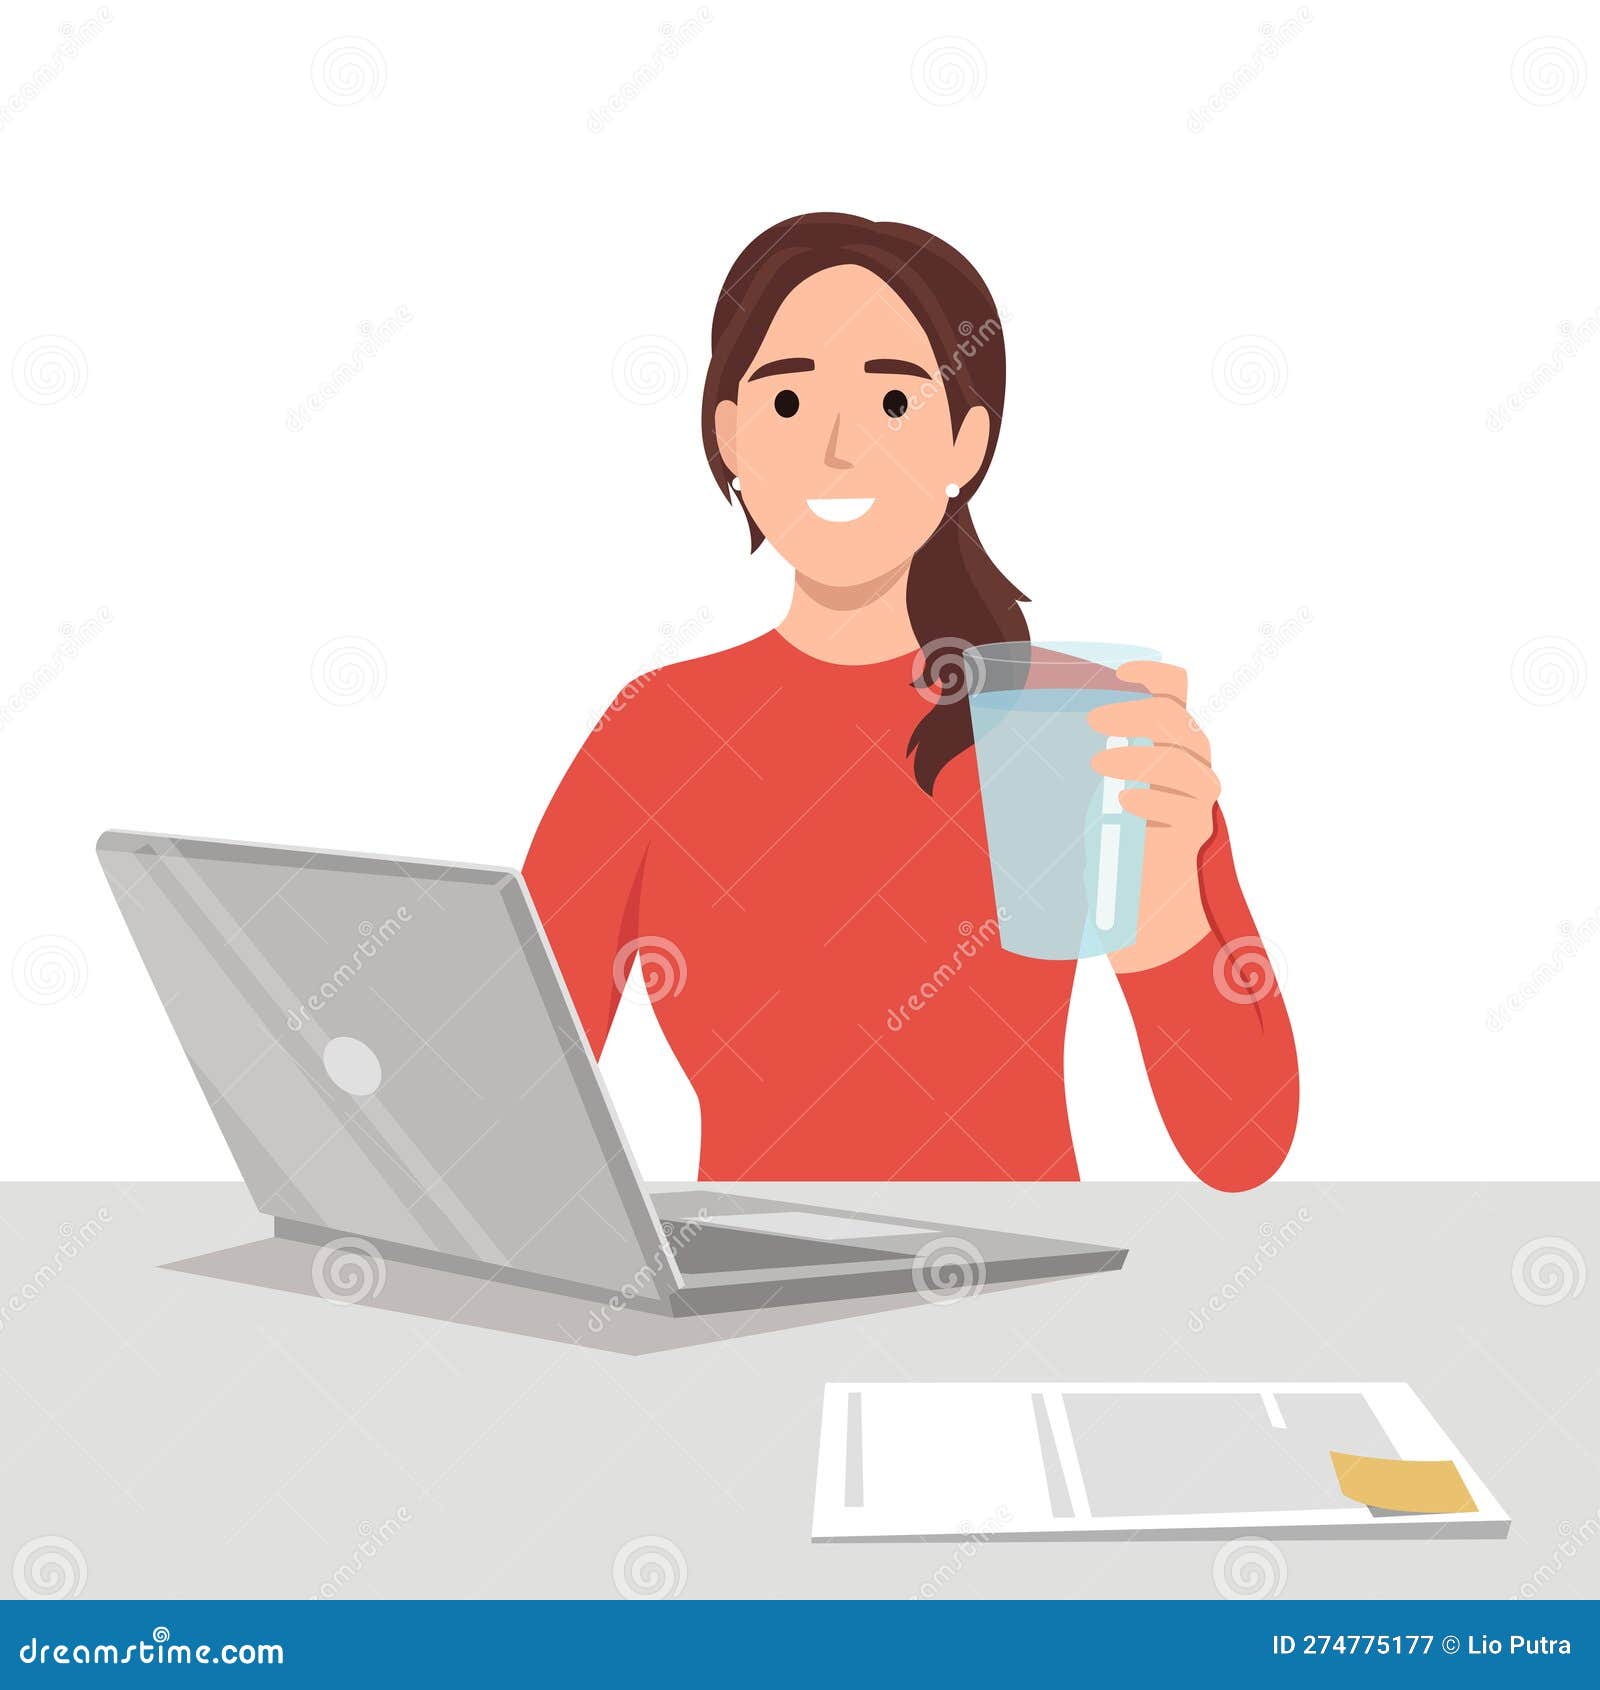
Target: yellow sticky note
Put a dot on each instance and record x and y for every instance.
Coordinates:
(1405, 1487)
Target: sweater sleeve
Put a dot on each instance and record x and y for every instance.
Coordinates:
(1216, 1040)
(585, 868)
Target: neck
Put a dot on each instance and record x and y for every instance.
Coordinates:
(864, 623)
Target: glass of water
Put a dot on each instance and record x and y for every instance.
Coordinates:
(1066, 857)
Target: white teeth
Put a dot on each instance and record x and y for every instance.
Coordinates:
(840, 510)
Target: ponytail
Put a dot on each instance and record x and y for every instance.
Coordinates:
(956, 597)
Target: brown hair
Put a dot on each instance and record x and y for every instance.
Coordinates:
(955, 595)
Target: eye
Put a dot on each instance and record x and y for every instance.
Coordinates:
(895, 403)
(787, 402)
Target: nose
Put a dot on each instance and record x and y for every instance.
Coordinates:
(830, 455)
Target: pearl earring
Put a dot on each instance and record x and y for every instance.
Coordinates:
(952, 490)
(734, 484)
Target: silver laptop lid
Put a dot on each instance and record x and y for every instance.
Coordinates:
(390, 1052)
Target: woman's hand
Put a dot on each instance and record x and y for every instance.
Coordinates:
(1176, 808)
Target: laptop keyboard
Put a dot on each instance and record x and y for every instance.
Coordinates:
(698, 1247)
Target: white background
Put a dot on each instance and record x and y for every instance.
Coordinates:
(490, 527)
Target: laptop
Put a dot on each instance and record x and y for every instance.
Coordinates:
(394, 1061)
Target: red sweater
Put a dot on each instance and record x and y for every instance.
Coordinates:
(817, 935)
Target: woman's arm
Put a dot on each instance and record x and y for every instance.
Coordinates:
(1215, 1037)
(1211, 1023)
(585, 868)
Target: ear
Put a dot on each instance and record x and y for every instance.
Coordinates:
(971, 442)
(724, 422)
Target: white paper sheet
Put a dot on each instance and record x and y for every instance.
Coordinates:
(1120, 1460)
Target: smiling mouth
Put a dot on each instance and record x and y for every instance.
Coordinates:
(839, 510)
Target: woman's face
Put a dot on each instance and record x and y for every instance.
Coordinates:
(840, 435)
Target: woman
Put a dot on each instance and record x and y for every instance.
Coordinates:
(788, 835)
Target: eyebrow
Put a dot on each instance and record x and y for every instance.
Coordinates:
(781, 367)
(894, 367)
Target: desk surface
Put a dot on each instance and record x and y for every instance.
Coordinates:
(197, 1438)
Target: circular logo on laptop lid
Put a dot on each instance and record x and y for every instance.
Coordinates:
(352, 1065)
